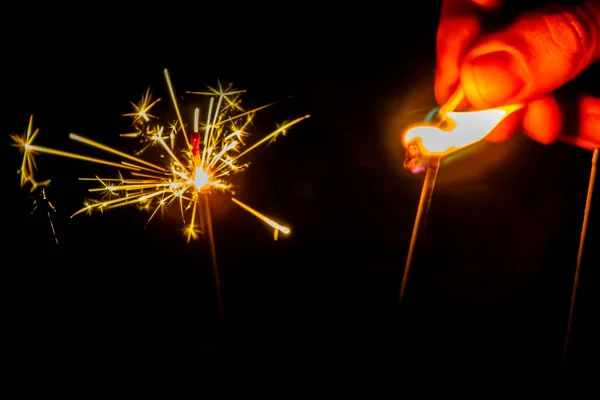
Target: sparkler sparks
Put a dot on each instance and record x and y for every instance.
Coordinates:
(27, 171)
(28, 165)
(43, 204)
(193, 165)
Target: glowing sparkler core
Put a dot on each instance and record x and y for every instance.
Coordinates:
(461, 129)
(201, 179)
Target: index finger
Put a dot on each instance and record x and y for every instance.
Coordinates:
(459, 27)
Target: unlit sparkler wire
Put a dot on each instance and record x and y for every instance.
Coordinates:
(213, 255)
(584, 225)
(432, 169)
(431, 173)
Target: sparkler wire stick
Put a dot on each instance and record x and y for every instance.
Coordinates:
(205, 218)
(213, 254)
(431, 173)
(584, 225)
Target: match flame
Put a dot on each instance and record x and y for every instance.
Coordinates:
(462, 129)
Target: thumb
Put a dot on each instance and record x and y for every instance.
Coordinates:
(537, 54)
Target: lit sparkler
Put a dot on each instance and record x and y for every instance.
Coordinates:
(211, 152)
(27, 172)
(194, 162)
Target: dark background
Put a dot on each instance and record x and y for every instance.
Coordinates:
(492, 284)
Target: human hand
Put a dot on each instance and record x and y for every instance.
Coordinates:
(525, 62)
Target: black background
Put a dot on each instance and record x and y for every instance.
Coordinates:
(490, 288)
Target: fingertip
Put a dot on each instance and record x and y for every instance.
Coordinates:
(589, 105)
(543, 120)
(589, 120)
(489, 4)
(506, 128)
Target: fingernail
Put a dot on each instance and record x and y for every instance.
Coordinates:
(497, 77)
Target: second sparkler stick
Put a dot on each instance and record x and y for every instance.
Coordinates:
(431, 172)
(584, 226)
(415, 161)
